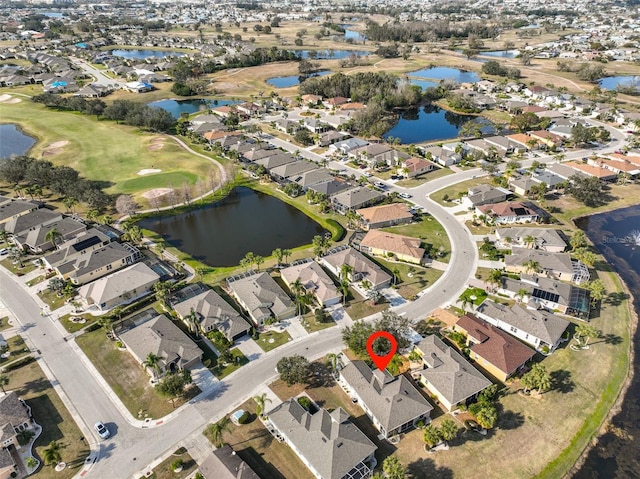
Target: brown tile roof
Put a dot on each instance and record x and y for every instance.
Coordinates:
(546, 135)
(217, 134)
(591, 170)
(379, 214)
(495, 346)
(508, 208)
(399, 244)
(520, 138)
(353, 106)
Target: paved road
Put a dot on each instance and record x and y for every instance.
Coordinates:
(99, 76)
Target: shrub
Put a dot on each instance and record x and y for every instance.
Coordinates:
(244, 419)
(180, 451)
(177, 464)
(305, 402)
(339, 232)
(92, 327)
(19, 363)
(24, 437)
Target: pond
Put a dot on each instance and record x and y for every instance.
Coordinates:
(176, 107)
(611, 83)
(424, 84)
(332, 54)
(501, 53)
(429, 122)
(446, 73)
(13, 141)
(222, 233)
(136, 54)
(354, 35)
(293, 80)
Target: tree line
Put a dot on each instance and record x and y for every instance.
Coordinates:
(32, 176)
(419, 32)
(120, 111)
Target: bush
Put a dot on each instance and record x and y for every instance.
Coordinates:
(24, 437)
(19, 363)
(305, 402)
(180, 451)
(177, 464)
(92, 327)
(244, 419)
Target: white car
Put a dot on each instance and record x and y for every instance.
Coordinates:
(405, 195)
(102, 430)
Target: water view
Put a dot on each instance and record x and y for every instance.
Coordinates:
(424, 84)
(177, 107)
(429, 122)
(13, 141)
(616, 234)
(611, 83)
(446, 73)
(222, 233)
(352, 34)
(501, 54)
(293, 80)
(331, 54)
(135, 54)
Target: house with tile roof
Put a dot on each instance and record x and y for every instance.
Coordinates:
(412, 167)
(314, 280)
(328, 443)
(383, 243)
(541, 329)
(361, 267)
(213, 313)
(159, 336)
(261, 297)
(510, 212)
(603, 174)
(447, 375)
(384, 216)
(393, 404)
(498, 353)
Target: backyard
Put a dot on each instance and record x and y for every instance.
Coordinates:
(411, 279)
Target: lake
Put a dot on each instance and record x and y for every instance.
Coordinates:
(424, 84)
(222, 233)
(501, 53)
(332, 54)
(446, 73)
(176, 107)
(136, 54)
(293, 80)
(611, 83)
(354, 35)
(428, 123)
(616, 235)
(13, 141)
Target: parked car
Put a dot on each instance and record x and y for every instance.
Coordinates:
(405, 195)
(4, 251)
(102, 430)
(395, 177)
(381, 185)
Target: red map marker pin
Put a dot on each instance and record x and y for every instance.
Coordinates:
(381, 361)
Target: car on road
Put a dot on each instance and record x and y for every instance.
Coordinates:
(404, 195)
(381, 185)
(395, 177)
(4, 251)
(368, 174)
(102, 430)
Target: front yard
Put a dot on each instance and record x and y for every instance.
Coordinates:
(30, 383)
(164, 470)
(411, 279)
(456, 191)
(272, 339)
(125, 376)
(17, 349)
(239, 360)
(430, 231)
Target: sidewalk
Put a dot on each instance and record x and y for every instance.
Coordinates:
(249, 348)
(340, 316)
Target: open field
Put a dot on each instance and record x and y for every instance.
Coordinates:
(30, 383)
(94, 153)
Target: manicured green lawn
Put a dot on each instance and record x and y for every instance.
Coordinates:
(266, 343)
(154, 180)
(311, 325)
(430, 231)
(420, 278)
(432, 175)
(17, 348)
(4, 323)
(239, 361)
(72, 326)
(52, 299)
(30, 384)
(479, 295)
(27, 266)
(456, 191)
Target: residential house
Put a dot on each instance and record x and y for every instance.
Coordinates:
(285, 125)
(382, 243)
(312, 177)
(330, 137)
(522, 141)
(159, 336)
(552, 265)
(83, 243)
(285, 173)
(121, 287)
(620, 166)
(355, 198)
(13, 208)
(442, 155)
(331, 188)
(546, 239)
(224, 463)
(274, 161)
(93, 264)
(563, 171)
(360, 266)
(35, 239)
(310, 99)
(511, 212)
(503, 144)
(603, 174)
(522, 185)
(328, 443)
(334, 102)
(15, 417)
(541, 329)
(261, 297)
(447, 375)
(550, 294)
(498, 353)
(138, 87)
(378, 154)
(484, 194)
(314, 280)
(213, 313)
(393, 404)
(347, 146)
(384, 215)
(412, 167)
(482, 146)
(21, 224)
(549, 139)
(548, 178)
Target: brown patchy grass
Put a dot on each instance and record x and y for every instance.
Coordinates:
(164, 471)
(31, 384)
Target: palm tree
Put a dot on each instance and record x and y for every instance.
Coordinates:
(529, 241)
(52, 235)
(332, 362)
(531, 266)
(396, 275)
(585, 331)
(249, 258)
(51, 455)
(448, 430)
(597, 290)
(344, 289)
(258, 260)
(261, 401)
(495, 277)
(192, 319)
(543, 380)
(4, 380)
(521, 294)
(285, 254)
(345, 270)
(431, 435)
(278, 253)
(487, 416)
(152, 362)
(162, 289)
(217, 430)
(69, 202)
(465, 302)
(107, 324)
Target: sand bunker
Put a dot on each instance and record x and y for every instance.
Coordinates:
(157, 193)
(148, 171)
(12, 101)
(58, 144)
(54, 148)
(156, 143)
(5, 97)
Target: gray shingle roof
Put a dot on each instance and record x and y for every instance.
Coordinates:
(25, 222)
(544, 236)
(394, 401)
(12, 413)
(559, 262)
(261, 295)
(330, 442)
(448, 372)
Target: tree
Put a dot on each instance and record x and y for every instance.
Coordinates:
(495, 277)
(293, 369)
(531, 266)
(585, 255)
(588, 190)
(278, 254)
(486, 415)
(216, 431)
(584, 332)
(537, 378)
(69, 202)
(261, 401)
(356, 336)
(172, 386)
(521, 294)
(125, 205)
(285, 254)
(448, 430)
(393, 468)
(396, 325)
(258, 260)
(431, 435)
(152, 361)
(320, 244)
(529, 241)
(52, 235)
(51, 454)
(578, 240)
(4, 380)
(162, 289)
(597, 290)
